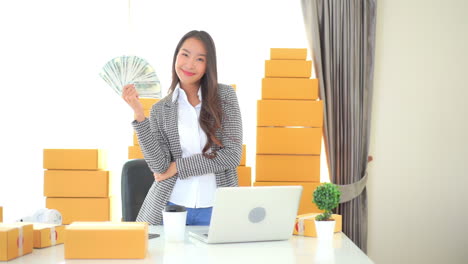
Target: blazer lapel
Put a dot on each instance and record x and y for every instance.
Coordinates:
(171, 128)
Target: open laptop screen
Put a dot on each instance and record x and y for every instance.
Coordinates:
(243, 214)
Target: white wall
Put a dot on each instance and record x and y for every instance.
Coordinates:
(52, 95)
(417, 187)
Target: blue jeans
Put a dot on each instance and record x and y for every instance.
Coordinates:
(197, 216)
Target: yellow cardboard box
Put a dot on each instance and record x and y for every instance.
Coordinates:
(305, 225)
(244, 154)
(135, 139)
(16, 240)
(148, 102)
(244, 176)
(306, 205)
(81, 209)
(147, 112)
(290, 88)
(288, 68)
(134, 152)
(106, 240)
(46, 235)
(288, 54)
(1, 214)
(296, 168)
(284, 140)
(76, 183)
(75, 159)
(289, 113)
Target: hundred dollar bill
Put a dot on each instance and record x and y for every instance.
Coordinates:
(131, 70)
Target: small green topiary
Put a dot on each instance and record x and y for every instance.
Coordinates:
(326, 197)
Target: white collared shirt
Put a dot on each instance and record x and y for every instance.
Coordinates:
(196, 191)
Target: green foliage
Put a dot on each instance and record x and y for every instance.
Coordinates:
(326, 197)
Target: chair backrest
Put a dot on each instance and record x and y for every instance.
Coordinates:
(137, 178)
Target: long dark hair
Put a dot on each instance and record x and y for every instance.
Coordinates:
(210, 113)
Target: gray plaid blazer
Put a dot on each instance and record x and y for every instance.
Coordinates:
(158, 137)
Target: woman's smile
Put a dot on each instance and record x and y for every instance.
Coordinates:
(187, 73)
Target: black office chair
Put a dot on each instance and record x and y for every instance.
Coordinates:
(137, 178)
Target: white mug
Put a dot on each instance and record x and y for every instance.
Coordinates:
(174, 225)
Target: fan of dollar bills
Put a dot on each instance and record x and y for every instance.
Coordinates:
(124, 70)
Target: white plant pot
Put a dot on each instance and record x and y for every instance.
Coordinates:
(325, 230)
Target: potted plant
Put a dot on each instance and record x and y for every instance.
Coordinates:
(326, 197)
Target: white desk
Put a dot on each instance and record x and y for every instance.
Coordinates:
(296, 250)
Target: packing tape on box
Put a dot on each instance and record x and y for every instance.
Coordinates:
(53, 236)
(300, 223)
(20, 241)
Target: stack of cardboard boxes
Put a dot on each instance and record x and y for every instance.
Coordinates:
(134, 152)
(76, 184)
(289, 125)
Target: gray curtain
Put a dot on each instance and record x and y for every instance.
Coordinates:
(341, 36)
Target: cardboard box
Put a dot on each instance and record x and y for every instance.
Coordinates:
(106, 240)
(288, 54)
(135, 139)
(75, 159)
(16, 240)
(296, 168)
(1, 214)
(288, 68)
(76, 183)
(244, 176)
(46, 235)
(147, 112)
(290, 88)
(305, 224)
(134, 152)
(148, 102)
(282, 140)
(80, 209)
(289, 113)
(244, 154)
(306, 205)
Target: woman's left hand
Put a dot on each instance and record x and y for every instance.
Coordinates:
(171, 171)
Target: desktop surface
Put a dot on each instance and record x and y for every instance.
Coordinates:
(296, 250)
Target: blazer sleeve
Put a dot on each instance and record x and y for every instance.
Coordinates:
(151, 140)
(227, 157)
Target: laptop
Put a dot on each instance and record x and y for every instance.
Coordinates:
(247, 214)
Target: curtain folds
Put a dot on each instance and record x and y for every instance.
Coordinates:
(341, 35)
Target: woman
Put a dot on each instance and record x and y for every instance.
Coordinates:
(193, 139)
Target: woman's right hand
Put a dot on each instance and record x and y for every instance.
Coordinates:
(130, 95)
